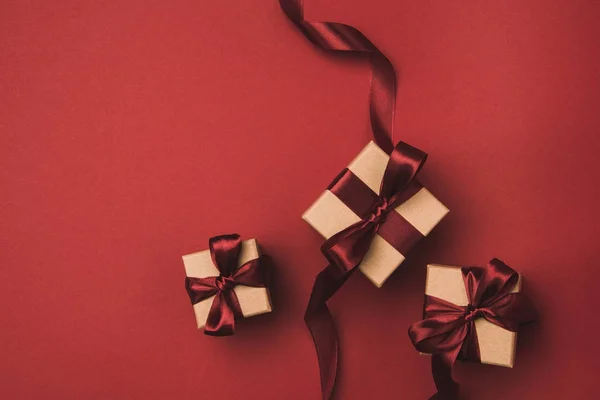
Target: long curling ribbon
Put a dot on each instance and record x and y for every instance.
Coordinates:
(337, 37)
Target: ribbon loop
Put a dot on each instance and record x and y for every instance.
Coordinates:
(405, 163)
(225, 252)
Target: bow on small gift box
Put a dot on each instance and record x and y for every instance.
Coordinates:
(227, 282)
(479, 324)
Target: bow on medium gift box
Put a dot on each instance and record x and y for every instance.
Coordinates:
(228, 281)
(391, 218)
(372, 214)
(470, 313)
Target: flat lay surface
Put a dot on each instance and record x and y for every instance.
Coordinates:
(131, 132)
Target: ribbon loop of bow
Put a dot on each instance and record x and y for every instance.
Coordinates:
(448, 331)
(346, 250)
(225, 252)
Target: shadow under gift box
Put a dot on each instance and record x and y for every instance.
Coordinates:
(329, 215)
(497, 346)
(253, 300)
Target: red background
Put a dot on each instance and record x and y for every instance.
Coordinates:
(133, 131)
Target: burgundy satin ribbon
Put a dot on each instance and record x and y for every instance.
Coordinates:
(333, 36)
(346, 249)
(225, 252)
(363, 201)
(448, 331)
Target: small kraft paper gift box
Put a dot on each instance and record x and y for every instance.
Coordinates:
(335, 210)
(252, 300)
(497, 346)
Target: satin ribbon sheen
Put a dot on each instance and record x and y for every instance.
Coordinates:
(346, 250)
(337, 37)
(225, 252)
(365, 203)
(448, 331)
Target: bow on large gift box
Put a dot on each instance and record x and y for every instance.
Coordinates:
(470, 313)
(375, 211)
(373, 214)
(228, 281)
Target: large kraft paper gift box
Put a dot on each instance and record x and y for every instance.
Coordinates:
(329, 214)
(253, 300)
(497, 346)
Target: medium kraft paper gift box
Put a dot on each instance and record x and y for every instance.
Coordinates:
(497, 346)
(328, 214)
(253, 300)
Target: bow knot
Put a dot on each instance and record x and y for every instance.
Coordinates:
(473, 313)
(380, 209)
(225, 252)
(224, 283)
